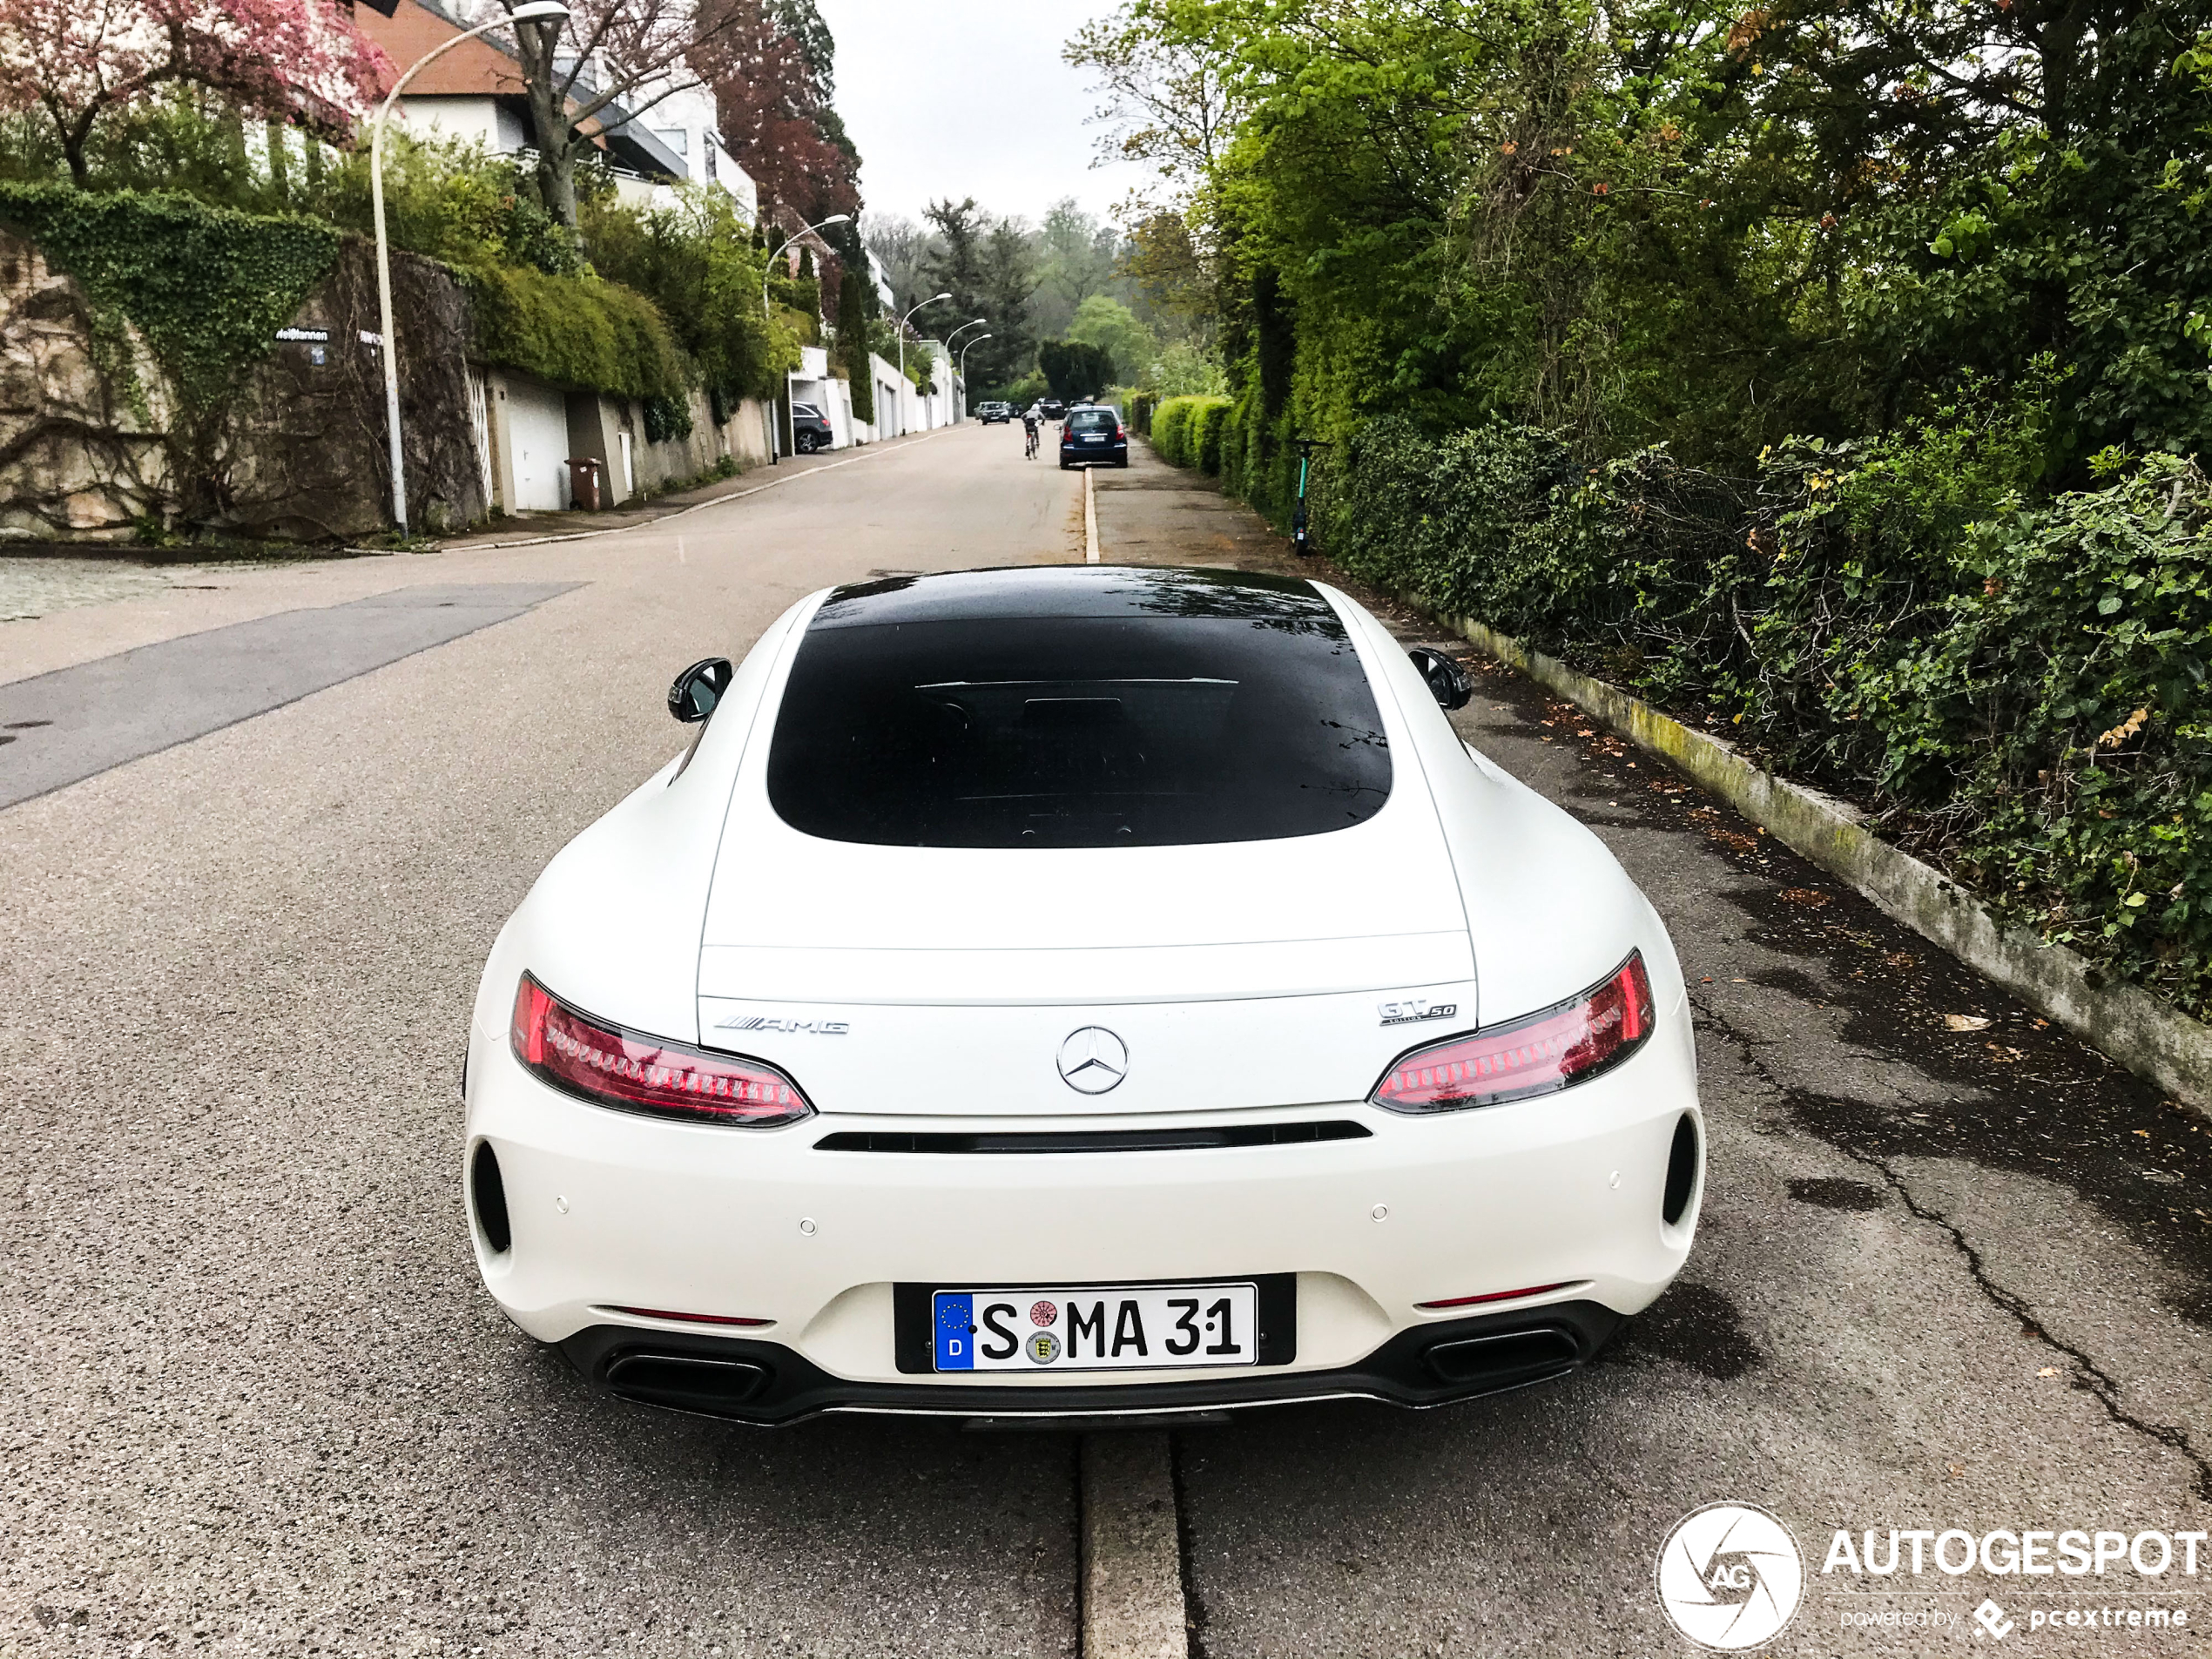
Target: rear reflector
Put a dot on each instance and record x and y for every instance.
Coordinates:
(1568, 1044)
(632, 1072)
(687, 1318)
(1495, 1296)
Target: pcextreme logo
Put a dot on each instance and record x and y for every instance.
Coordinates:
(1730, 1576)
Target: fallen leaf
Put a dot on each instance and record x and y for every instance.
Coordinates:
(2048, 1371)
(1966, 1021)
(1956, 1472)
(2144, 1133)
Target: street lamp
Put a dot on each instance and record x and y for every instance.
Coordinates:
(960, 404)
(932, 301)
(971, 345)
(834, 218)
(531, 11)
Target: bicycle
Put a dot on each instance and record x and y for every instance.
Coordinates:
(1028, 439)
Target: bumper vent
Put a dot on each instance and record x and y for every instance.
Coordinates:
(487, 1196)
(1195, 1139)
(1682, 1171)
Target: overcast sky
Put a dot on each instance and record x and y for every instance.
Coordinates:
(969, 98)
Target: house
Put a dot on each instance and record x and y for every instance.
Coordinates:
(475, 91)
(529, 434)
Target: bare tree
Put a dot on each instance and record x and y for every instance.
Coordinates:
(1166, 103)
(610, 63)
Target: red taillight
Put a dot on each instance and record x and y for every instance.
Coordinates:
(1496, 1296)
(1119, 435)
(637, 1073)
(1533, 1055)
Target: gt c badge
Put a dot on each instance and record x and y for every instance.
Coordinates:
(1418, 1008)
(754, 1022)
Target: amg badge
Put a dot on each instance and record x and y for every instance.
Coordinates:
(1417, 1008)
(755, 1023)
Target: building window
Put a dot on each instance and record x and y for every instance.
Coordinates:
(676, 138)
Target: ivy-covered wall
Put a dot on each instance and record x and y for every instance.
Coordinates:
(142, 381)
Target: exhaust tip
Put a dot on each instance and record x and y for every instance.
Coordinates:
(1506, 1358)
(488, 1198)
(686, 1382)
(1682, 1171)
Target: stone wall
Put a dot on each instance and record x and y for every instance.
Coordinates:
(85, 418)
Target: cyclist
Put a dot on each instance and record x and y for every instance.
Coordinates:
(1029, 433)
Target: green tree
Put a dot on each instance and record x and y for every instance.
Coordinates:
(1113, 327)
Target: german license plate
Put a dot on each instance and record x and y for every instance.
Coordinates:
(1123, 1327)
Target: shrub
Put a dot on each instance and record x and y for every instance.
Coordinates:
(1168, 421)
(1177, 429)
(577, 331)
(1210, 421)
(2015, 690)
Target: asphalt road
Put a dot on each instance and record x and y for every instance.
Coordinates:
(252, 1401)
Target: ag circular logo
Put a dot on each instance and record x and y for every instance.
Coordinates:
(1730, 1576)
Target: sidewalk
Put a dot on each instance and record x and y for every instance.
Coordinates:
(524, 529)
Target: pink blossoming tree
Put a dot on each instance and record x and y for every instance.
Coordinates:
(302, 61)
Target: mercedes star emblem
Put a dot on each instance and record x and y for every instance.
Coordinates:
(1092, 1060)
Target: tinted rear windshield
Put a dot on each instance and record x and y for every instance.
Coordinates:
(1084, 419)
(1010, 731)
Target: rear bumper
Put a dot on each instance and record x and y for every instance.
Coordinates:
(766, 1383)
(605, 1212)
(1113, 454)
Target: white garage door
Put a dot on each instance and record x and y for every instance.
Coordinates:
(537, 420)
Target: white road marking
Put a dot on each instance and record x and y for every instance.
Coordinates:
(871, 451)
(1132, 1564)
(1090, 519)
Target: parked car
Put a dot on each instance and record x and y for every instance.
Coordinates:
(1051, 408)
(1067, 991)
(995, 414)
(810, 429)
(1094, 433)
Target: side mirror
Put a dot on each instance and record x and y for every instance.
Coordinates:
(698, 688)
(1448, 681)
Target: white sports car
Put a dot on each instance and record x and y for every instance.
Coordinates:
(1079, 992)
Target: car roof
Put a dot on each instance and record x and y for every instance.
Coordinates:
(1100, 591)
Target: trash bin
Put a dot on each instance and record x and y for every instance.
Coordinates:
(585, 492)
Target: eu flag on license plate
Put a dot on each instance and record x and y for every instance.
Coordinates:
(955, 1331)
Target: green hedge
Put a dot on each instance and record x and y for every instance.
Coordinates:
(2018, 693)
(577, 331)
(1209, 422)
(1180, 427)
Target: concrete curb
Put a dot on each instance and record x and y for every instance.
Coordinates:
(2152, 1039)
(1132, 1553)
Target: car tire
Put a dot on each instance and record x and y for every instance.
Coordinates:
(804, 443)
